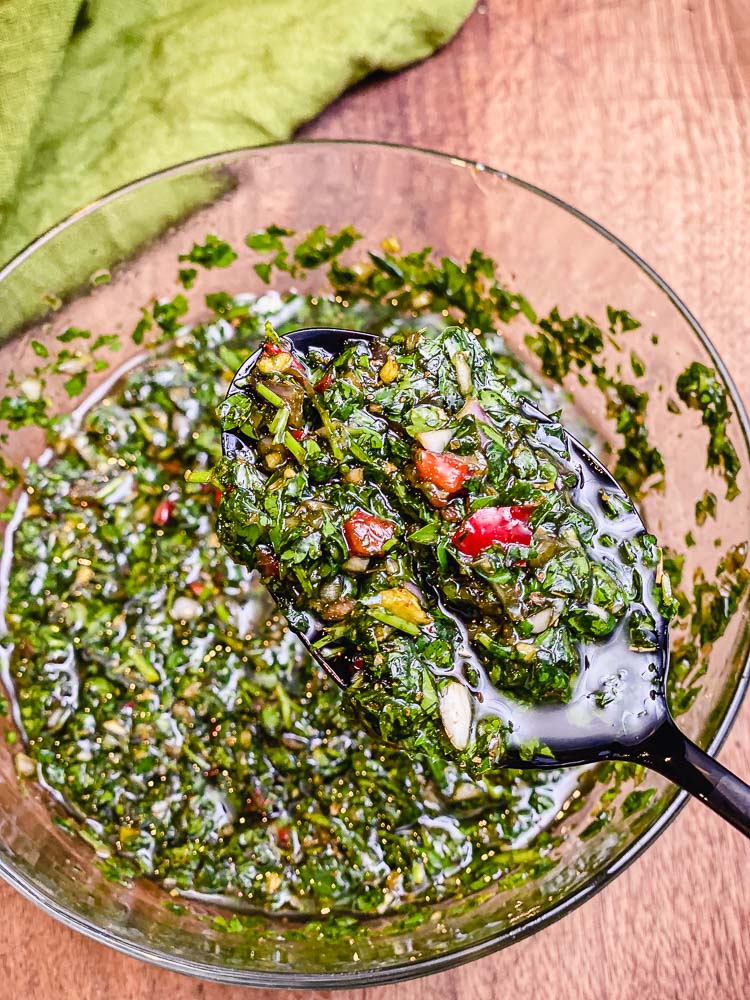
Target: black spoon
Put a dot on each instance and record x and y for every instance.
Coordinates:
(638, 727)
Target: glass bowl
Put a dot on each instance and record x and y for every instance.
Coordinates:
(100, 266)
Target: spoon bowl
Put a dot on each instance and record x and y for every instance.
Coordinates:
(637, 726)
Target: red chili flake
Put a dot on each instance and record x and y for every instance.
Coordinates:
(366, 534)
(129, 706)
(357, 663)
(297, 434)
(196, 587)
(163, 512)
(217, 494)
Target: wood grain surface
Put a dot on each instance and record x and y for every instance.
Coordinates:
(638, 112)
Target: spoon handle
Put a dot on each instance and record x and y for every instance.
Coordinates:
(672, 754)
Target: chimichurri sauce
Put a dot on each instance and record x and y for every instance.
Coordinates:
(189, 736)
(161, 700)
(398, 503)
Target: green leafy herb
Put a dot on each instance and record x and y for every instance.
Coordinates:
(699, 388)
(75, 385)
(73, 333)
(215, 252)
(705, 507)
(186, 276)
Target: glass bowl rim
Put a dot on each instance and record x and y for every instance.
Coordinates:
(450, 959)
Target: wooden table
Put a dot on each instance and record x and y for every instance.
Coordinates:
(638, 112)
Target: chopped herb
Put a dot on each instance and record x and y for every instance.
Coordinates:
(75, 385)
(214, 252)
(699, 388)
(73, 333)
(186, 276)
(705, 507)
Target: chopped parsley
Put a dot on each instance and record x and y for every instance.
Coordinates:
(699, 388)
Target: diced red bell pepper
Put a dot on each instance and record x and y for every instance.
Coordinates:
(196, 587)
(447, 472)
(297, 434)
(163, 512)
(366, 534)
(493, 526)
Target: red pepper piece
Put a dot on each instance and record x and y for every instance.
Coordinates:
(493, 526)
(366, 534)
(163, 512)
(297, 434)
(447, 472)
(269, 348)
(325, 382)
(196, 588)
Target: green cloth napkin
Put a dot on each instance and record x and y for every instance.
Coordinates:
(94, 95)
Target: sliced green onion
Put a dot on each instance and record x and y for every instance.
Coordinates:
(278, 425)
(262, 389)
(329, 425)
(295, 447)
(393, 620)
